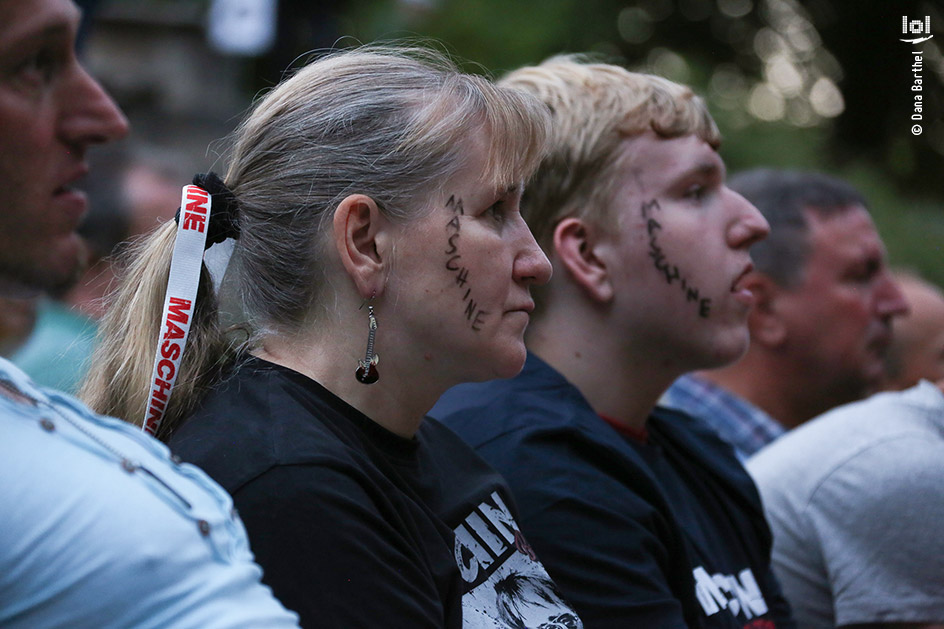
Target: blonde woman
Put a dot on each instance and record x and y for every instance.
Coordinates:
(375, 196)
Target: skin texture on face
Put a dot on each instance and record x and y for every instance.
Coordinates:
(679, 254)
(462, 276)
(17, 318)
(838, 319)
(51, 111)
(917, 349)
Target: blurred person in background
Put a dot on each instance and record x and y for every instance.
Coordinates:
(822, 318)
(100, 527)
(854, 496)
(17, 319)
(372, 199)
(854, 500)
(917, 349)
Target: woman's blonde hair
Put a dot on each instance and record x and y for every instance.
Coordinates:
(392, 123)
(594, 107)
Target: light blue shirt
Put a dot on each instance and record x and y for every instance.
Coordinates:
(100, 528)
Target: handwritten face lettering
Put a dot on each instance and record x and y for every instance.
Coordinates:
(454, 205)
(463, 272)
(683, 248)
(667, 269)
(474, 315)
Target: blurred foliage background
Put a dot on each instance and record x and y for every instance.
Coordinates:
(824, 84)
(821, 84)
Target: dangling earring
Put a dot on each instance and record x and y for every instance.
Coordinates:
(366, 371)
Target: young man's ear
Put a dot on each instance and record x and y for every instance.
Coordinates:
(360, 236)
(765, 320)
(575, 246)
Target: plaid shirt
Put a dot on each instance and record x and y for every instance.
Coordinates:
(737, 421)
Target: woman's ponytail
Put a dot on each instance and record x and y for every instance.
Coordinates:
(119, 381)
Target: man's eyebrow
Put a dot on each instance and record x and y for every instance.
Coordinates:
(706, 168)
(55, 30)
(702, 168)
(59, 26)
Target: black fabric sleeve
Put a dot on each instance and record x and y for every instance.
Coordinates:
(777, 603)
(605, 547)
(330, 554)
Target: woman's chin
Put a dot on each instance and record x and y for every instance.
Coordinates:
(496, 365)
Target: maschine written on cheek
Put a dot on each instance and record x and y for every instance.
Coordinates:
(474, 315)
(664, 266)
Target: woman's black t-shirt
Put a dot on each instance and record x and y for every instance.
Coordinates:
(355, 526)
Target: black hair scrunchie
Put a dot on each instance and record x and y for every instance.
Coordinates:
(224, 215)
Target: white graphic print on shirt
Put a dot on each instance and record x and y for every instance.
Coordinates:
(739, 595)
(506, 585)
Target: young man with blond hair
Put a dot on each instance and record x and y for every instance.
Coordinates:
(824, 302)
(643, 517)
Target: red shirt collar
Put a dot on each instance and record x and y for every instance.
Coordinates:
(637, 434)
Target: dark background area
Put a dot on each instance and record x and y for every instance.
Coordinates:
(822, 84)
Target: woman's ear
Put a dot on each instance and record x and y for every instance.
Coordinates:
(358, 224)
(575, 246)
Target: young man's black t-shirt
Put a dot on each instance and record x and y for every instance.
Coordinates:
(665, 532)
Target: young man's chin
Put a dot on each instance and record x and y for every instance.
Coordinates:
(511, 362)
(727, 350)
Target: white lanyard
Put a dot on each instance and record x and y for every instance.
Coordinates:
(181, 294)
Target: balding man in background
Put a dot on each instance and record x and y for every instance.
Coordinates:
(917, 349)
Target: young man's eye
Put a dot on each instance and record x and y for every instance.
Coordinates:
(696, 193)
(496, 212)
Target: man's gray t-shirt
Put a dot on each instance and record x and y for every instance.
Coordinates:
(855, 499)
